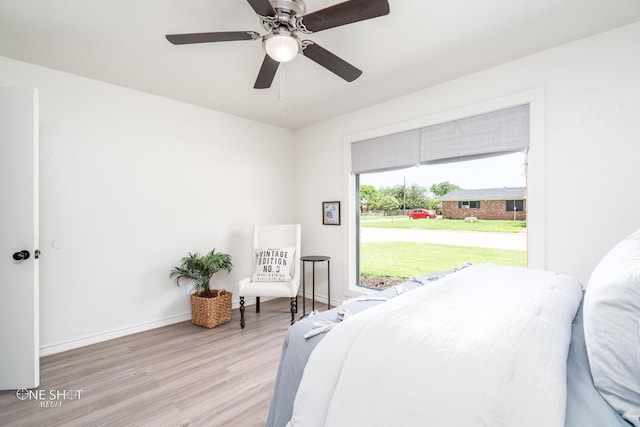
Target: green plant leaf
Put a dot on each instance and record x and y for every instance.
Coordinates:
(200, 268)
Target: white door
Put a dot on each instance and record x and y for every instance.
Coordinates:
(19, 329)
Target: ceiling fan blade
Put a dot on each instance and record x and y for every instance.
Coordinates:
(344, 13)
(331, 62)
(262, 7)
(267, 73)
(225, 36)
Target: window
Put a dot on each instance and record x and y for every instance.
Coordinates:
(372, 155)
(515, 205)
(392, 245)
(475, 204)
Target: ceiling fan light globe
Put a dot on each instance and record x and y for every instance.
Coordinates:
(281, 47)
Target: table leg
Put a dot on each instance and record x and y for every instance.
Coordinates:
(304, 294)
(328, 285)
(313, 288)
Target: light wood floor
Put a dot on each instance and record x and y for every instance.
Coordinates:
(178, 375)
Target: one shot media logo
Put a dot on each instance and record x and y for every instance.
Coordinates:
(48, 398)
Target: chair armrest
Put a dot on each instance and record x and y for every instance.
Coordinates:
(242, 284)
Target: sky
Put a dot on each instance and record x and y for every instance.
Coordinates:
(493, 172)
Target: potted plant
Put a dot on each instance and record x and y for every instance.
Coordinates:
(209, 307)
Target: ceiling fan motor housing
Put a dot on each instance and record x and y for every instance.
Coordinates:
(296, 6)
(287, 14)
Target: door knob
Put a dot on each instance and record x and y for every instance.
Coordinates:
(22, 255)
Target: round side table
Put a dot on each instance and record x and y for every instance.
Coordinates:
(313, 259)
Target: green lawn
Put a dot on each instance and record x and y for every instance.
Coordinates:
(406, 259)
(498, 226)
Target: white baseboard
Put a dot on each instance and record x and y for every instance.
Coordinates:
(320, 298)
(115, 333)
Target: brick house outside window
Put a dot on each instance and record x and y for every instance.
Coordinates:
(487, 203)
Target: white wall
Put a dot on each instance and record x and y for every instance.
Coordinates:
(129, 184)
(591, 148)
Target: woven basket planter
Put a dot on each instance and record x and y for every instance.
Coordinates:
(210, 312)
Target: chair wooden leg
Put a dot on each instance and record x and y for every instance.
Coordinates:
(257, 304)
(242, 312)
(294, 309)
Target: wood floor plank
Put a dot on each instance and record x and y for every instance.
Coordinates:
(177, 375)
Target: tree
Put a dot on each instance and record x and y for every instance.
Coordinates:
(388, 203)
(442, 188)
(411, 197)
(368, 196)
(416, 197)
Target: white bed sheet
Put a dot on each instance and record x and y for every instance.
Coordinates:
(486, 346)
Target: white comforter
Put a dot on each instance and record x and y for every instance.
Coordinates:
(486, 346)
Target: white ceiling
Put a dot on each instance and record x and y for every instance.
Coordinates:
(419, 44)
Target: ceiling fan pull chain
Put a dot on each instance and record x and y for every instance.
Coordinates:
(283, 106)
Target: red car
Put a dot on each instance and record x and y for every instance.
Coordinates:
(421, 213)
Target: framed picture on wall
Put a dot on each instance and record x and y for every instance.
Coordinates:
(331, 213)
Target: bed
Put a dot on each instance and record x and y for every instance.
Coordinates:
(411, 355)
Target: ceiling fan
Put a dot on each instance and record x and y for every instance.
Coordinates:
(283, 20)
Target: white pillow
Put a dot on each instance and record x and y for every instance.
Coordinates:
(273, 264)
(612, 327)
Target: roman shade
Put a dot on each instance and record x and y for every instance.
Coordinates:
(497, 132)
(385, 153)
